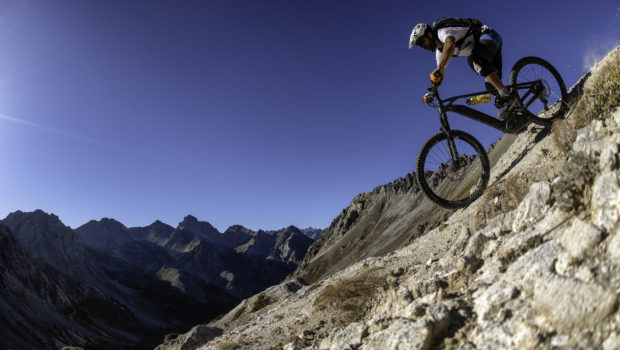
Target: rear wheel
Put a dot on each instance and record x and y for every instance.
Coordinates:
(453, 184)
(545, 100)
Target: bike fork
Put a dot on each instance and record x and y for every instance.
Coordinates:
(445, 128)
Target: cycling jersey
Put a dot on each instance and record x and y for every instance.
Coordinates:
(458, 33)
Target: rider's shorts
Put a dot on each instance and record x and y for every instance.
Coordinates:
(486, 57)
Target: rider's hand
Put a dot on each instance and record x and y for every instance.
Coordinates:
(436, 77)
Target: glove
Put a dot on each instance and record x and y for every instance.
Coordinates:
(436, 78)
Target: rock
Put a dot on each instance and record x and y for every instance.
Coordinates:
(584, 274)
(401, 334)
(476, 245)
(421, 287)
(492, 233)
(291, 346)
(349, 337)
(196, 337)
(533, 266)
(489, 301)
(613, 249)
(490, 271)
(606, 200)
(512, 335)
(533, 206)
(438, 314)
(467, 346)
(563, 302)
(580, 238)
(499, 225)
(612, 343)
(609, 158)
(468, 265)
(405, 294)
(568, 304)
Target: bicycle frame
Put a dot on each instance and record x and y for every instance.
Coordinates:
(453, 167)
(448, 105)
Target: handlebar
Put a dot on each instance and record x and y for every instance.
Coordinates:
(430, 96)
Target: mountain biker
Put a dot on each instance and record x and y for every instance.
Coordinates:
(484, 51)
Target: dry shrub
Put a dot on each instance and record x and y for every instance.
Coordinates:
(572, 191)
(229, 345)
(563, 135)
(601, 97)
(262, 301)
(351, 297)
(232, 344)
(502, 197)
(238, 313)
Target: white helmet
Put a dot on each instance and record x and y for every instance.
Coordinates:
(418, 32)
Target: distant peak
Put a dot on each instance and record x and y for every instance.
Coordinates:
(36, 215)
(110, 221)
(191, 223)
(238, 229)
(292, 229)
(158, 223)
(190, 218)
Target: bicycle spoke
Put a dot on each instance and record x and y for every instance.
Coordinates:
(546, 90)
(452, 180)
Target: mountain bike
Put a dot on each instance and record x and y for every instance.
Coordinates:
(453, 168)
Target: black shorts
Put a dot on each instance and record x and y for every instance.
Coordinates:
(486, 57)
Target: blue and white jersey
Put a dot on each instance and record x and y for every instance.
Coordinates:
(458, 33)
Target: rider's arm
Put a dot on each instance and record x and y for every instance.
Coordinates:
(448, 50)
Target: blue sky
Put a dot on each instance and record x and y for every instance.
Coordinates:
(260, 113)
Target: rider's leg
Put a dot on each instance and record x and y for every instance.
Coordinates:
(494, 79)
(483, 61)
(486, 61)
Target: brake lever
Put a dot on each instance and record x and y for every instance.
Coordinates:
(428, 98)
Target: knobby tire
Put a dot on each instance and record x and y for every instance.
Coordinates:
(433, 181)
(531, 69)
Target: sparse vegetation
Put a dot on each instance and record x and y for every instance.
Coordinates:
(598, 101)
(602, 97)
(563, 134)
(232, 344)
(351, 297)
(262, 300)
(502, 197)
(238, 313)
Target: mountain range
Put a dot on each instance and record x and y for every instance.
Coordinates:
(106, 286)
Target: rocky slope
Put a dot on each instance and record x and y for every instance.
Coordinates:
(42, 307)
(534, 263)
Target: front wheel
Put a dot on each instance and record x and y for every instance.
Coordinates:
(545, 97)
(453, 172)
